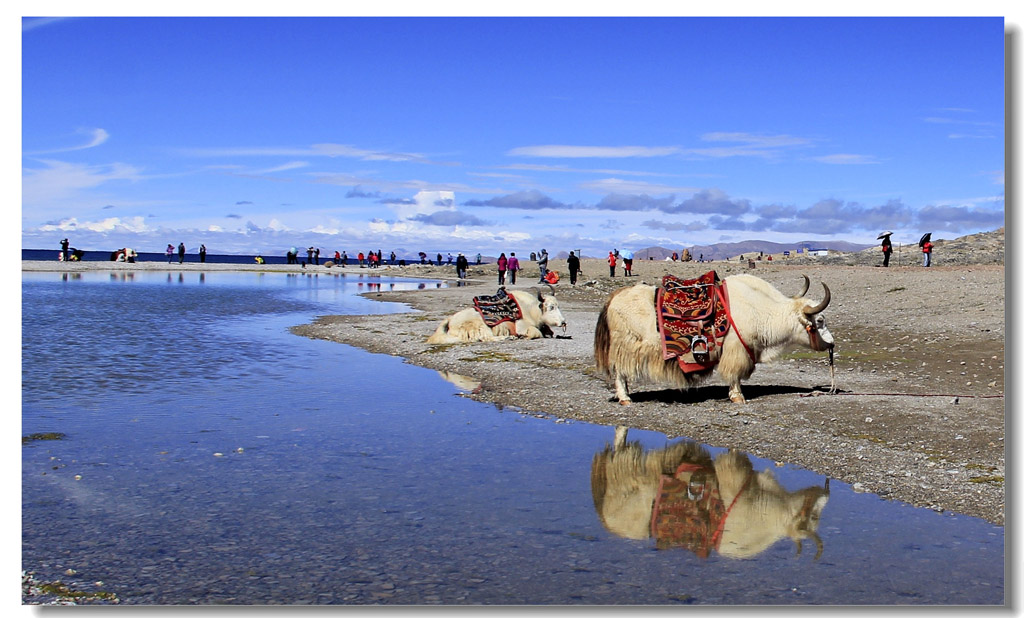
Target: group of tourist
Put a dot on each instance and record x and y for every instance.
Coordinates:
(925, 244)
(181, 253)
(507, 266)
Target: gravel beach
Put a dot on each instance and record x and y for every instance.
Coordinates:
(919, 416)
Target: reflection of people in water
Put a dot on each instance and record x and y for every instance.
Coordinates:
(682, 497)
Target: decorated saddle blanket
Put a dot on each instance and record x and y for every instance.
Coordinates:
(692, 319)
(688, 511)
(502, 307)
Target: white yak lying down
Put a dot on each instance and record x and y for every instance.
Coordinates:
(754, 511)
(628, 346)
(540, 314)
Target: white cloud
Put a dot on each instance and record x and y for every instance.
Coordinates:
(135, 225)
(425, 203)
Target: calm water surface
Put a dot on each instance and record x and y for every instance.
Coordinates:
(224, 460)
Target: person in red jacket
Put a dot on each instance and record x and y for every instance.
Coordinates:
(502, 267)
(926, 249)
(611, 263)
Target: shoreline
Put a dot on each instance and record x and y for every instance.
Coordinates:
(920, 417)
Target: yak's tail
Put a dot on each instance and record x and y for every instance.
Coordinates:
(602, 339)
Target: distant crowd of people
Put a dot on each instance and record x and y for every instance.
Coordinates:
(508, 266)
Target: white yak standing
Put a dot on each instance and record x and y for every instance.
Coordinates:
(628, 345)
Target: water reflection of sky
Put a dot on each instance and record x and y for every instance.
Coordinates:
(224, 460)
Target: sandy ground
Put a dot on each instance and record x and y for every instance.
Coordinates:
(920, 368)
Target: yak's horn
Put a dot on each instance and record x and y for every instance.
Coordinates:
(807, 286)
(821, 306)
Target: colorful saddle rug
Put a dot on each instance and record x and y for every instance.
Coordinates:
(502, 307)
(693, 320)
(688, 511)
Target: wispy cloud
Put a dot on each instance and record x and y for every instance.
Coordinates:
(400, 185)
(95, 138)
(294, 165)
(534, 167)
(847, 159)
(675, 226)
(60, 180)
(747, 145)
(31, 23)
(618, 185)
(944, 120)
(579, 152)
(313, 150)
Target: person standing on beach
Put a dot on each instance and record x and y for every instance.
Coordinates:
(886, 251)
(170, 252)
(627, 263)
(64, 250)
(513, 267)
(479, 258)
(574, 267)
(181, 253)
(542, 264)
(502, 265)
(926, 249)
(461, 266)
(202, 254)
(611, 263)
(393, 256)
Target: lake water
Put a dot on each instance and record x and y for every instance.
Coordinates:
(210, 456)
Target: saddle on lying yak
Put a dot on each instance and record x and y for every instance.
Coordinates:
(502, 307)
(693, 319)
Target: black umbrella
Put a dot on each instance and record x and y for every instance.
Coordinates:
(926, 238)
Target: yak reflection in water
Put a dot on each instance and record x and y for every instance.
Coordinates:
(682, 497)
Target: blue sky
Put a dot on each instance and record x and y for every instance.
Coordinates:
(507, 134)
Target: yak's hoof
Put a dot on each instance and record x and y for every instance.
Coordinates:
(737, 399)
(625, 402)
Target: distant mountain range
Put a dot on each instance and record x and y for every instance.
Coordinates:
(724, 250)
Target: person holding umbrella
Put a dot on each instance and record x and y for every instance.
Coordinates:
(886, 248)
(926, 248)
